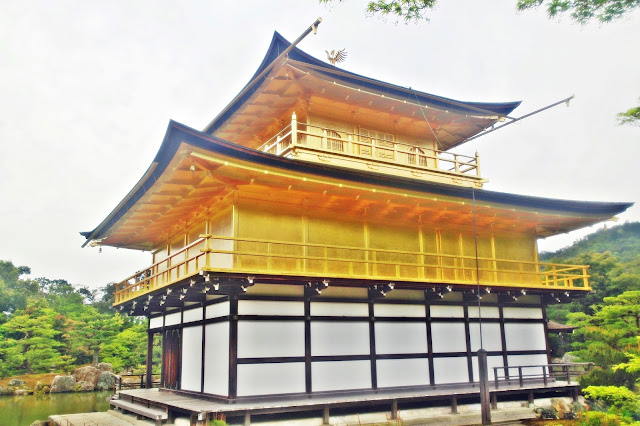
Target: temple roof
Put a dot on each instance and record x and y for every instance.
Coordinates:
(300, 81)
(192, 170)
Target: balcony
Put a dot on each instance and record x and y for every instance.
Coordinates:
(363, 151)
(219, 254)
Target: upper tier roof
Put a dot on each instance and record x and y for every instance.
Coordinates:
(300, 81)
(193, 170)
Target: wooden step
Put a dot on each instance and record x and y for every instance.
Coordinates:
(154, 413)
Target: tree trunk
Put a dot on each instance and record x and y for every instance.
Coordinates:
(96, 352)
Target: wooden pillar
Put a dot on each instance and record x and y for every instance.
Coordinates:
(394, 409)
(325, 415)
(149, 381)
(454, 405)
(307, 342)
(372, 345)
(233, 346)
(247, 418)
(483, 374)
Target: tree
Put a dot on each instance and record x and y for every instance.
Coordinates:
(31, 336)
(581, 11)
(409, 10)
(88, 330)
(609, 338)
(14, 290)
(631, 116)
(128, 349)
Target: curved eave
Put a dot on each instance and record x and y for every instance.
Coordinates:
(178, 134)
(279, 44)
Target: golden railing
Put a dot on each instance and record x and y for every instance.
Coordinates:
(257, 256)
(304, 135)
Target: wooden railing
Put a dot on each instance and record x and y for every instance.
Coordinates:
(258, 256)
(545, 373)
(138, 383)
(304, 135)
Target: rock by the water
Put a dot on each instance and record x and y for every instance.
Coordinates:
(104, 366)
(63, 384)
(84, 386)
(88, 373)
(560, 407)
(16, 382)
(106, 381)
(22, 392)
(6, 391)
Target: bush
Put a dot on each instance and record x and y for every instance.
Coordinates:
(619, 400)
(598, 418)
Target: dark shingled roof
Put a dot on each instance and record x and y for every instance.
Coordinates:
(279, 44)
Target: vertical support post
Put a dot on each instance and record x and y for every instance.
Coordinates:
(454, 404)
(531, 398)
(247, 418)
(520, 378)
(394, 409)
(372, 344)
(294, 129)
(149, 383)
(483, 375)
(494, 401)
(544, 375)
(307, 342)
(325, 415)
(477, 164)
(233, 346)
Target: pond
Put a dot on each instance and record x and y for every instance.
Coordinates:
(24, 410)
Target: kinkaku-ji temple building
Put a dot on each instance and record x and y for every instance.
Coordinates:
(320, 244)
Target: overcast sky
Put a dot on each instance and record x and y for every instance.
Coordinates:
(87, 89)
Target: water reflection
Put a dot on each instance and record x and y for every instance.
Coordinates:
(24, 410)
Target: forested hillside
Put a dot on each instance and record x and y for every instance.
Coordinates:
(49, 325)
(608, 319)
(623, 241)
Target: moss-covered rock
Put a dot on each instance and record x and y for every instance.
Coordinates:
(63, 384)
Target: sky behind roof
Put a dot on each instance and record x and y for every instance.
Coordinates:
(88, 89)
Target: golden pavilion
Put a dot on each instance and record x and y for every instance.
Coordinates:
(321, 240)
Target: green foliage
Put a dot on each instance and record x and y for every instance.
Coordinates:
(128, 349)
(623, 241)
(14, 290)
(583, 11)
(631, 116)
(52, 325)
(618, 399)
(598, 418)
(408, 10)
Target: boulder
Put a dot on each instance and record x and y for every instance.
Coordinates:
(88, 373)
(22, 392)
(63, 384)
(568, 358)
(104, 366)
(16, 382)
(6, 391)
(106, 381)
(84, 386)
(560, 407)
